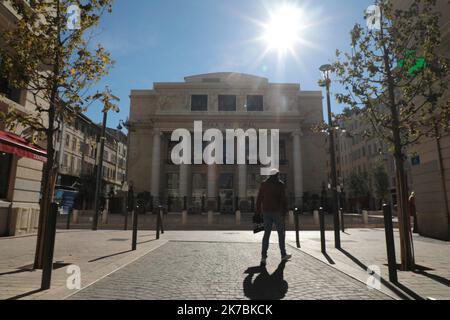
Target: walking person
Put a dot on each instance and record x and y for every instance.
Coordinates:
(272, 207)
(413, 211)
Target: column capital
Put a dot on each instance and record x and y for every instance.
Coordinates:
(157, 132)
(297, 133)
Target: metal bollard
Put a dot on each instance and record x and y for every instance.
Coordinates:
(322, 231)
(390, 245)
(69, 218)
(297, 226)
(159, 224)
(135, 229)
(342, 220)
(161, 221)
(126, 214)
(49, 247)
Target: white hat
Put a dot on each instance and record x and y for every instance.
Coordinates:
(274, 172)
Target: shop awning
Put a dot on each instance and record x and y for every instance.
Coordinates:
(11, 143)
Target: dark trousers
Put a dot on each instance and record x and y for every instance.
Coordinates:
(271, 218)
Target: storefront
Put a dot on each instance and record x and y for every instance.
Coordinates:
(21, 165)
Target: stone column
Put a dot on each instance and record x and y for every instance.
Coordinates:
(185, 183)
(212, 186)
(242, 178)
(298, 166)
(156, 163)
(185, 178)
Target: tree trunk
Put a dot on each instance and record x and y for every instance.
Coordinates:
(404, 220)
(406, 245)
(49, 181)
(50, 171)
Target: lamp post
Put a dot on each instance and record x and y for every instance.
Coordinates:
(326, 72)
(124, 204)
(98, 180)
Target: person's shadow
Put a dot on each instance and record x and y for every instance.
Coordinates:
(265, 286)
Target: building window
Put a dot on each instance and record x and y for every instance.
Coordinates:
(283, 153)
(172, 181)
(5, 170)
(199, 103)
(198, 181)
(67, 140)
(8, 90)
(65, 160)
(227, 103)
(255, 103)
(253, 180)
(226, 181)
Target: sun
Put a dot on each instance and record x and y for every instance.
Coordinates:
(283, 31)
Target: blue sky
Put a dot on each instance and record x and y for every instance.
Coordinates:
(166, 40)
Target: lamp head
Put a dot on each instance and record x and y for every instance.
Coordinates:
(326, 70)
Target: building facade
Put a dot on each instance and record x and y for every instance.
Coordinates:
(223, 101)
(21, 155)
(431, 158)
(77, 145)
(359, 155)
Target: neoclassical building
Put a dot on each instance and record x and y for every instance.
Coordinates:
(224, 101)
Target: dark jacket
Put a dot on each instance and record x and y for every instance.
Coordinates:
(272, 197)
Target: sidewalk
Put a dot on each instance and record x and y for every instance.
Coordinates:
(103, 253)
(362, 248)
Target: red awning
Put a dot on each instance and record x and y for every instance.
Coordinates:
(11, 143)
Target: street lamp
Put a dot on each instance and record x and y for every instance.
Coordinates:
(98, 180)
(326, 70)
(125, 189)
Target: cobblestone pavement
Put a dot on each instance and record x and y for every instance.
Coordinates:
(217, 270)
(104, 252)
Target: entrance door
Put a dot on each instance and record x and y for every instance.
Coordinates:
(226, 193)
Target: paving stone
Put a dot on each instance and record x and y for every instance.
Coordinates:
(216, 270)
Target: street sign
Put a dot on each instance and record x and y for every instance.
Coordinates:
(415, 161)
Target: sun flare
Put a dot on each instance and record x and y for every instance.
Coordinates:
(283, 31)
